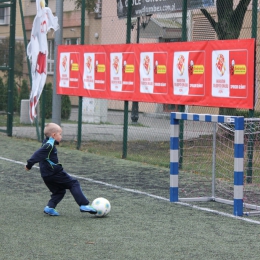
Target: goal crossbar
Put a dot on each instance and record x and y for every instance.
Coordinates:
(238, 122)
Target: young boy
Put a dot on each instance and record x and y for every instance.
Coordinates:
(53, 175)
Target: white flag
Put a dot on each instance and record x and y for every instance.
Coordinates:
(37, 51)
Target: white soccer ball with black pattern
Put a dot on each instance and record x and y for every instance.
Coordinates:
(102, 206)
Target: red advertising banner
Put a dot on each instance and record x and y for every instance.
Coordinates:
(208, 73)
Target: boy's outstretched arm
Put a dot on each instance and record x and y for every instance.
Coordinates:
(40, 155)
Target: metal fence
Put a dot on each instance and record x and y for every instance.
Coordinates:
(7, 51)
(103, 131)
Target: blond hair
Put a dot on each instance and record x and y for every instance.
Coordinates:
(51, 128)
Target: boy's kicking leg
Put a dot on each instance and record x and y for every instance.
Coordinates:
(80, 198)
(58, 183)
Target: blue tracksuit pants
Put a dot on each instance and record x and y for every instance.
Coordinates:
(58, 183)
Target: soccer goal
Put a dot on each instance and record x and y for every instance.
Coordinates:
(213, 154)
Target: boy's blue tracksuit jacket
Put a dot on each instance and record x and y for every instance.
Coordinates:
(47, 158)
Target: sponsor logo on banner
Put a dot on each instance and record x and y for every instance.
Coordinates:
(64, 69)
(153, 69)
(188, 73)
(122, 71)
(229, 73)
(69, 70)
(94, 71)
(116, 71)
(238, 73)
(180, 73)
(220, 74)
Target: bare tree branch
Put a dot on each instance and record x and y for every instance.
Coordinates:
(209, 17)
(230, 21)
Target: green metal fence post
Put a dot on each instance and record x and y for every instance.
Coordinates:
(79, 123)
(250, 144)
(43, 111)
(25, 41)
(128, 40)
(82, 41)
(181, 108)
(11, 81)
(135, 105)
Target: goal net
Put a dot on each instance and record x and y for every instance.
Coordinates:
(217, 159)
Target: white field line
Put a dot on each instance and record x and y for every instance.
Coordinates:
(150, 195)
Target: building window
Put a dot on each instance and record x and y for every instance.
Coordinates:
(72, 41)
(172, 40)
(50, 63)
(98, 9)
(4, 15)
(170, 108)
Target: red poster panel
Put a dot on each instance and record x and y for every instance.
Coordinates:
(209, 73)
(94, 75)
(122, 71)
(232, 70)
(69, 70)
(128, 72)
(189, 73)
(229, 71)
(160, 72)
(153, 77)
(196, 72)
(237, 71)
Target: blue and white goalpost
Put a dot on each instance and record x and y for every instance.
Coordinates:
(238, 122)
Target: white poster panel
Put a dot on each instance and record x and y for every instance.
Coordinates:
(146, 72)
(64, 69)
(89, 69)
(220, 73)
(181, 73)
(116, 66)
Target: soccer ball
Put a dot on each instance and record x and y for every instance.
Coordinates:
(102, 206)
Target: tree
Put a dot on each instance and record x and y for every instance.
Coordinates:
(229, 25)
(24, 93)
(65, 103)
(230, 20)
(89, 4)
(18, 69)
(3, 95)
(65, 107)
(48, 100)
(19, 55)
